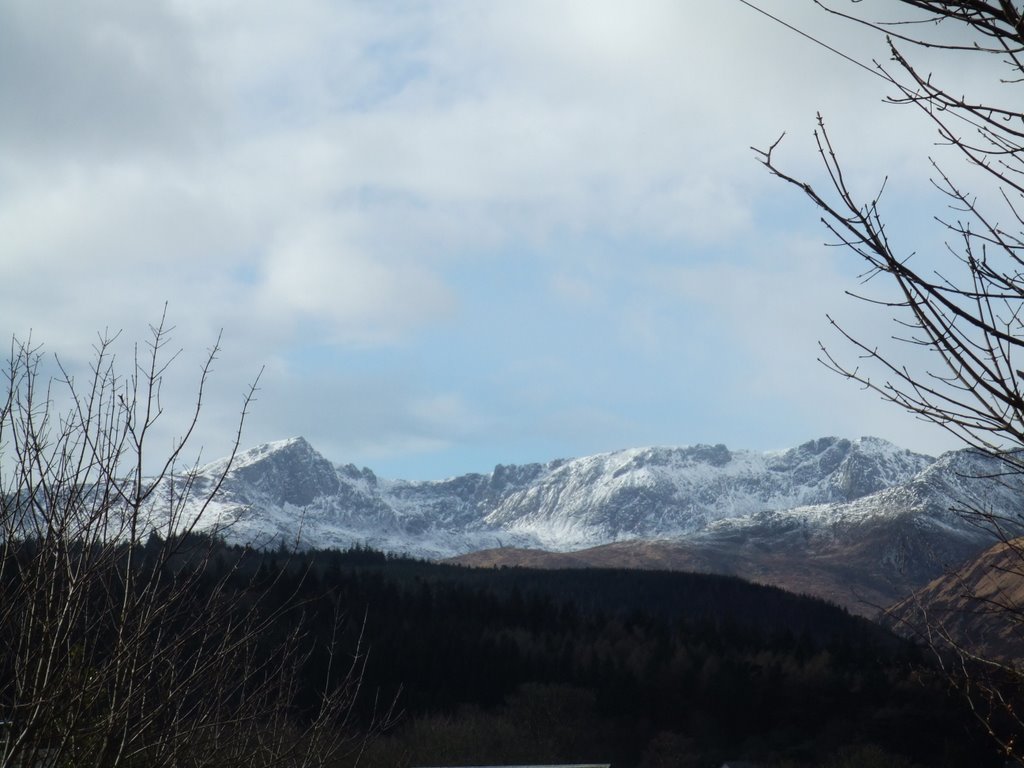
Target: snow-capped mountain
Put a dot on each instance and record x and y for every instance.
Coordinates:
(678, 492)
(288, 490)
(864, 553)
(831, 510)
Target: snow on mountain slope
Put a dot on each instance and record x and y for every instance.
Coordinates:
(907, 534)
(939, 495)
(287, 491)
(673, 492)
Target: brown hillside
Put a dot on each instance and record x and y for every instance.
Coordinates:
(834, 576)
(979, 607)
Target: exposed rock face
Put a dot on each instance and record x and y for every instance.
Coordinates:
(290, 474)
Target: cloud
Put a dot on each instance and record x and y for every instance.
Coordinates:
(319, 273)
(98, 80)
(774, 315)
(347, 177)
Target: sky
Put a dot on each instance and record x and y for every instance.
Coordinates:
(458, 233)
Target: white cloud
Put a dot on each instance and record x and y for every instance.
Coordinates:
(320, 273)
(98, 80)
(327, 173)
(775, 311)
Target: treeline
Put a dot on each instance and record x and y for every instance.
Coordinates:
(464, 666)
(639, 668)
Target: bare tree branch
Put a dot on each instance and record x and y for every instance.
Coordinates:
(963, 306)
(122, 638)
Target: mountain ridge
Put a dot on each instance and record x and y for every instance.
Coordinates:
(861, 511)
(571, 502)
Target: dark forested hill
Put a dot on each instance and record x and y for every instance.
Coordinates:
(472, 666)
(494, 666)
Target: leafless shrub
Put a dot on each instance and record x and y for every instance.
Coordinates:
(123, 641)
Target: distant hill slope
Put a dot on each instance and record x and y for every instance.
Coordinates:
(860, 522)
(979, 605)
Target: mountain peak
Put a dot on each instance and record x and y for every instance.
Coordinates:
(288, 471)
(263, 451)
